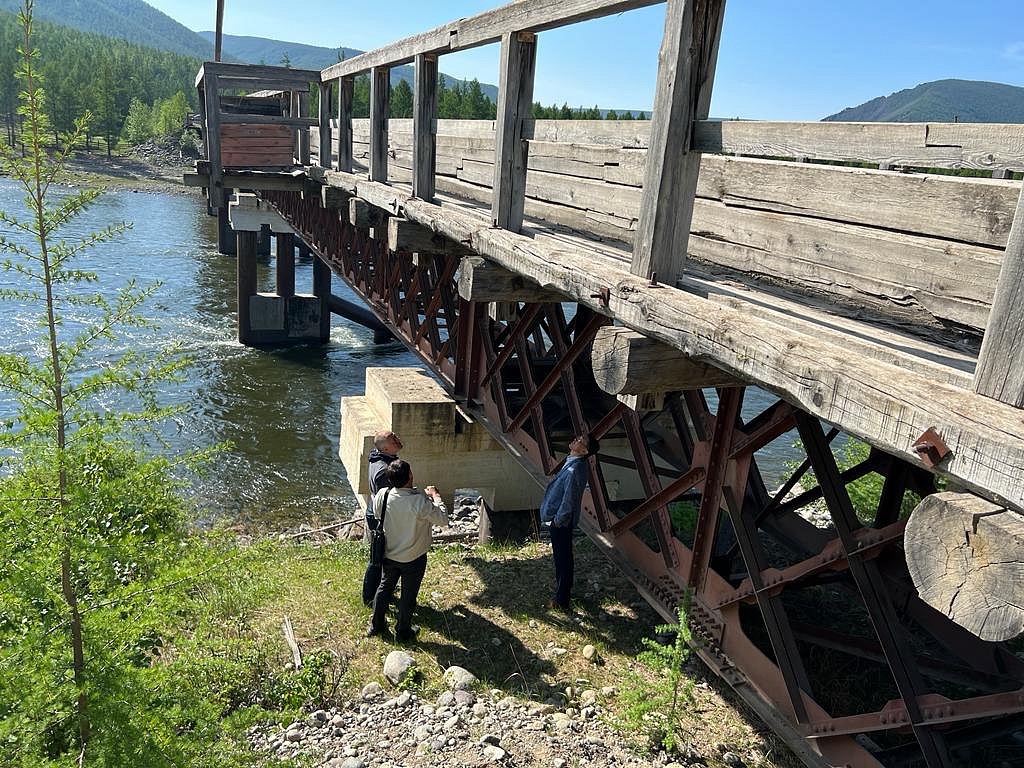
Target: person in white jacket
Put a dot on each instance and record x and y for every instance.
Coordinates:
(407, 514)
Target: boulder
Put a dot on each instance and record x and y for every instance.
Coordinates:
(398, 665)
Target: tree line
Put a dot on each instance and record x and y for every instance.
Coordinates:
(90, 72)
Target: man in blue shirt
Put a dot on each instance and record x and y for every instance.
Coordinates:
(561, 508)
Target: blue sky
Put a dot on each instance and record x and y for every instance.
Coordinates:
(779, 59)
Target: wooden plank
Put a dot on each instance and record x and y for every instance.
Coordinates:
(239, 130)
(259, 72)
(966, 557)
(424, 145)
(300, 109)
(986, 437)
(324, 129)
(484, 28)
(1000, 371)
(255, 85)
(261, 181)
(380, 92)
(213, 122)
(515, 103)
(346, 89)
(299, 122)
(628, 363)
(686, 73)
(923, 145)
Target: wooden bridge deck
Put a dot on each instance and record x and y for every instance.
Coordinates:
(839, 266)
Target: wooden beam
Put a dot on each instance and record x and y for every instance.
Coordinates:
(484, 28)
(686, 72)
(380, 92)
(324, 104)
(985, 146)
(213, 116)
(1000, 371)
(302, 102)
(482, 280)
(260, 72)
(628, 363)
(245, 281)
(333, 198)
(363, 215)
(424, 127)
(966, 557)
(515, 105)
(346, 89)
(408, 236)
(298, 122)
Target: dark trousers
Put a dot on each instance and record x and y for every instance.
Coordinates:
(561, 550)
(411, 575)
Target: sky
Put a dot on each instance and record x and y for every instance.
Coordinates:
(779, 59)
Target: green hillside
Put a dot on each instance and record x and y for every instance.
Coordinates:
(262, 50)
(968, 101)
(131, 20)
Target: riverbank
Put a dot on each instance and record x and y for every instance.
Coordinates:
(550, 689)
(152, 166)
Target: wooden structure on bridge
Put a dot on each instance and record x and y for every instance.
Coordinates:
(632, 279)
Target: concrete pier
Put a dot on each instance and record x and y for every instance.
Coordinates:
(444, 446)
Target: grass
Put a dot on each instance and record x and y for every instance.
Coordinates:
(480, 608)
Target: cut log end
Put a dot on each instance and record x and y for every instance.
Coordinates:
(966, 557)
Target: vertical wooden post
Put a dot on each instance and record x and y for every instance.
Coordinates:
(303, 109)
(285, 267)
(380, 94)
(212, 101)
(325, 125)
(515, 104)
(424, 126)
(245, 281)
(218, 46)
(322, 290)
(1000, 370)
(263, 241)
(686, 72)
(205, 155)
(346, 87)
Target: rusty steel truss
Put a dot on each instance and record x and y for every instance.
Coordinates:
(817, 627)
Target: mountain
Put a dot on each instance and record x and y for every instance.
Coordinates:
(967, 101)
(131, 20)
(261, 50)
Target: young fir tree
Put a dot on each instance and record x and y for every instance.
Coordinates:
(90, 530)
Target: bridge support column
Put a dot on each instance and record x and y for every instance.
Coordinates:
(225, 235)
(281, 318)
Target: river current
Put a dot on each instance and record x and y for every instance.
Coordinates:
(278, 410)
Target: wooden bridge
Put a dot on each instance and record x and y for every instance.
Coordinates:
(633, 280)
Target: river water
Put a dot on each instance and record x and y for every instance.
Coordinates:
(279, 410)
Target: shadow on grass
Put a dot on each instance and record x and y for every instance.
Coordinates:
(607, 608)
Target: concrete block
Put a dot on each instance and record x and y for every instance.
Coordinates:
(266, 312)
(412, 403)
(303, 316)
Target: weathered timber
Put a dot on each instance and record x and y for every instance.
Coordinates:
(966, 557)
(234, 180)
(299, 108)
(1000, 372)
(274, 75)
(229, 118)
(211, 99)
(424, 127)
(484, 28)
(364, 215)
(324, 147)
(284, 267)
(686, 73)
(322, 290)
(346, 89)
(819, 376)
(920, 145)
(408, 236)
(333, 198)
(380, 92)
(515, 102)
(628, 363)
(481, 280)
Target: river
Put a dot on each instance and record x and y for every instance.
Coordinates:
(278, 410)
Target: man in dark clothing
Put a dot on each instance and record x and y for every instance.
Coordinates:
(561, 509)
(386, 446)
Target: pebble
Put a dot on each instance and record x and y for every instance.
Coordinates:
(589, 652)
(371, 690)
(493, 753)
(398, 665)
(733, 760)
